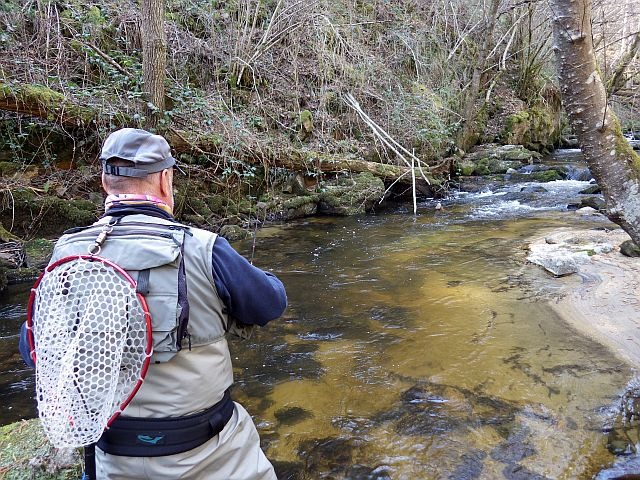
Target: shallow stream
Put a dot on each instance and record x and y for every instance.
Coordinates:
(413, 347)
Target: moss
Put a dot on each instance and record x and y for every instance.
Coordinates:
(306, 120)
(70, 213)
(46, 215)
(25, 454)
(234, 232)
(299, 201)
(8, 168)
(7, 236)
(541, 176)
(363, 191)
(38, 252)
(52, 102)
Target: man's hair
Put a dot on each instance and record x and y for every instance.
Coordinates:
(120, 184)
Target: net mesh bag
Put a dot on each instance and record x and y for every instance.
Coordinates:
(92, 347)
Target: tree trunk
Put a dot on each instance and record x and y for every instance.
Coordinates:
(614, 164)
(154, 58)
(617, 80)
(466, 138)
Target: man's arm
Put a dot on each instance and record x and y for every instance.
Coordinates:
(252, 295)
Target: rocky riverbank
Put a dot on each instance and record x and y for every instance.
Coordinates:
(599, 284)
(600, 298)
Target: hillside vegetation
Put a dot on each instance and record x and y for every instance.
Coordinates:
(257, 89)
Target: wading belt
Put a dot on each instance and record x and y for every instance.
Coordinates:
(157, 437)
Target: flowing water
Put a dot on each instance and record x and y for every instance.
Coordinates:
(413, 347)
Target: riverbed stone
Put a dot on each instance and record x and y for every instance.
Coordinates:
(292, 415)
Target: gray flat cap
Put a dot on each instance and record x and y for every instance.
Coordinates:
(148, 153)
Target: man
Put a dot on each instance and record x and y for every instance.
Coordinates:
(194, 297)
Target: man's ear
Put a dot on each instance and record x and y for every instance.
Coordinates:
(104, 185)
(166, 183)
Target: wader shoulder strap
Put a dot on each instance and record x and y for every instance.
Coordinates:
(157, 437)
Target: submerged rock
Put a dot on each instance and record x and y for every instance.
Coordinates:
(292, 415)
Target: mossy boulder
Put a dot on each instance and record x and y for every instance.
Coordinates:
(541, 176)
(537, 128)
(26, 454)
(493, 159)
(351, 196)
(300, 206)
(46, 215)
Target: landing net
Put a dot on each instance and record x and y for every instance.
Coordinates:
(90, 333)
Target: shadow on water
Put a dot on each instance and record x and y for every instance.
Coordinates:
(416, 348)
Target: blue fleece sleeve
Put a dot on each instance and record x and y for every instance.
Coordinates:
(25, 350)
(251, 295)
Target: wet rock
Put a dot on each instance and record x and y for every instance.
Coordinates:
(630, 249)
(518, 472)
(328, 454)
(533, 189)
(571, 172)
(362, 472)
(594, 202)
(292, 415)
(471, 466)
(428, 408)
(515, 448)
(592, 190)
(288, 470)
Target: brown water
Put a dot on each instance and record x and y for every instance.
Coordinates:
(412, 348)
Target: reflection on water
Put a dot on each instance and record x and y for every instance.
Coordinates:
(413, 349)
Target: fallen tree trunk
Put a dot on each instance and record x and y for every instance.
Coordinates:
(42, 102)
(314, 162)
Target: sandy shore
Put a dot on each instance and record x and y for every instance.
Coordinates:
(605, 304)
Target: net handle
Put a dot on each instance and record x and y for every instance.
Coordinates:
(143, 302)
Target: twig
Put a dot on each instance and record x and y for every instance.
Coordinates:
(385, 137)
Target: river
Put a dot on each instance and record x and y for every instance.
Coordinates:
(413, 347)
